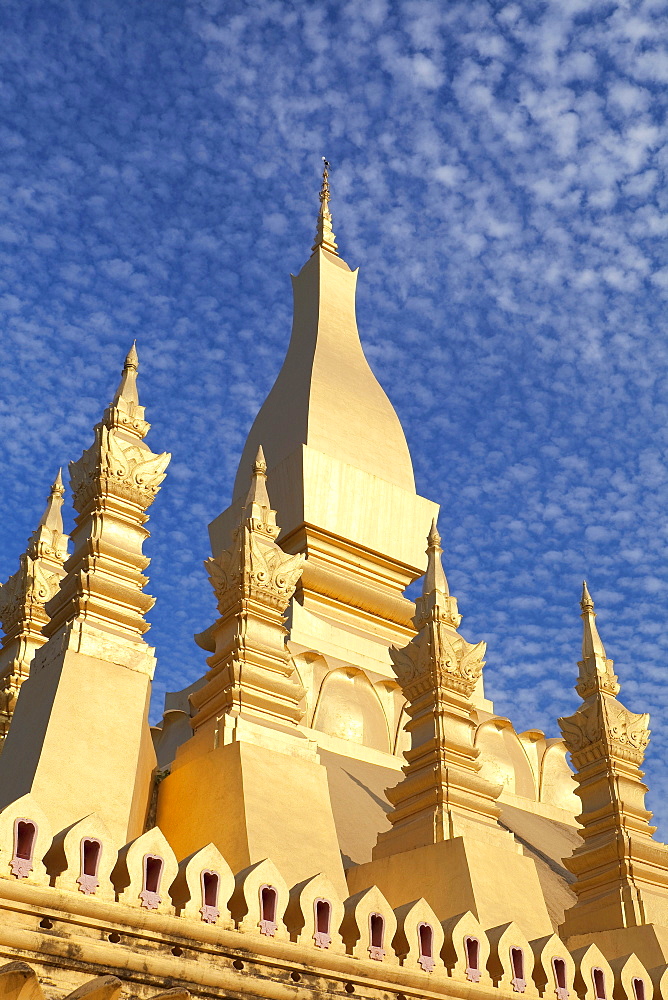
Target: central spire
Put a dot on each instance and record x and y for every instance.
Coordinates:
(324, 235)
(336, 454)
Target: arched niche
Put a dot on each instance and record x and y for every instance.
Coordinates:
(349, 707)
(557, 786)
(402, 738)
(504, 759)
(311, 669)
(393, 700)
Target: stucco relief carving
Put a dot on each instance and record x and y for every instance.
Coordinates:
(440, 658)
(255, 567)
(605, 725)
(31, 584)
(114, 465)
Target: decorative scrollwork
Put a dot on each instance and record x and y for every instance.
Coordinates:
(605, 725)
(115, 465)
(438, 658)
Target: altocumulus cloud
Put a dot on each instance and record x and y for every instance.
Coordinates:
(499, 172)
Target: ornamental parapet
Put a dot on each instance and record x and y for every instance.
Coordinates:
(76, 904)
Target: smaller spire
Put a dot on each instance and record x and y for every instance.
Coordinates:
(324, 235)
(52, 516)
(257, 508)
(596, 671)
(592, 645)
(435, 602)
(127, 388)
(586, 601)
(435, 580)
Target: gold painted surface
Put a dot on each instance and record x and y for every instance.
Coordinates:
(23, 600)
(79, 740)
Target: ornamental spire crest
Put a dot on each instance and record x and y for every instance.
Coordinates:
(324, 235)
(23, 601)
(618, 867)
(595, 669)
(602, 725)
(113, 484)
(255, 565)
(442, 792)
(252, 674)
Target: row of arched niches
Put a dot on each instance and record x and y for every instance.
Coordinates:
(345, 703)
(257, 903)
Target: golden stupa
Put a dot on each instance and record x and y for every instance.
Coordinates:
(333, 808)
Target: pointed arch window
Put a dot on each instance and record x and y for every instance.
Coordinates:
(598, 976)
(25, 836)
(323, 919)
(210, 881)
(150, 893)
(376, 937)
(268, 909)
(91, 852)
(560, 981)
(518, 982)
(426, 943)
(472, 948)
(639, 989)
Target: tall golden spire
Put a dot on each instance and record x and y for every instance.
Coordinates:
(324, 235)
(23, 598)
(95, 651)
(442, 792)
(621, 872)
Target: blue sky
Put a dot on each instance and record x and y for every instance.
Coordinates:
(498, 173)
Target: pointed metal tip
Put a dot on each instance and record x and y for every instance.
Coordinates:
(132, 358)
(586, 602)
(58, 483)
(433, 538)
(260, 465)
(324, 236)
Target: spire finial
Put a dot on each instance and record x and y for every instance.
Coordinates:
(58, 489)
(596, 673)
(52, 516)
(435, 580)
(257, 508)
(260, 465)
(435, 602)
(586, 602)
(127, 388)
(324, 236)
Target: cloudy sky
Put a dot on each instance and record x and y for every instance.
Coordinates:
(499, 177)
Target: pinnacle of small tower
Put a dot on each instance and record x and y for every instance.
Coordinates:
(596, 671)
(324, 235)
(436, 602)
(52, 516)
(257, 508)
(435, 580)
(586, 601)
(127, 388)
